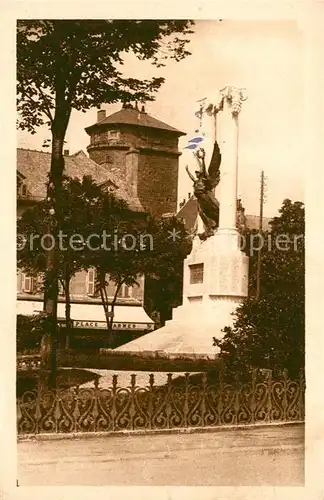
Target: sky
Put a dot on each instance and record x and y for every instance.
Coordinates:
(265, 58)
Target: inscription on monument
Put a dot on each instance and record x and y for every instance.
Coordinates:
(196, 273)
(224, 275)
(236, 269)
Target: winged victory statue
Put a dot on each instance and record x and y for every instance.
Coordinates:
(204, 184)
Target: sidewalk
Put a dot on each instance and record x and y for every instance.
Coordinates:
(269, 456)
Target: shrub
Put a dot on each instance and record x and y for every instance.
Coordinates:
(29, 332)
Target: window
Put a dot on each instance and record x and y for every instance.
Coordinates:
(22, 189)
(125, 291)
(90, 282)
(60, 288)
(196, 273)
(113, 134)
(26, 283)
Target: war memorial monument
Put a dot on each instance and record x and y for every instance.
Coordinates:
(216, 271)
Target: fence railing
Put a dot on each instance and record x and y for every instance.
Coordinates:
(177, 404)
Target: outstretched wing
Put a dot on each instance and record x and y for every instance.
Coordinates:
(213, 170)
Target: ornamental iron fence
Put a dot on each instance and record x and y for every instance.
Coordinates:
(177, 404)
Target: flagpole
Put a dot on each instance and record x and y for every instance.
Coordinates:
(214, 126)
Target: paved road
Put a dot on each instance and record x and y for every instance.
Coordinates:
(272, 456)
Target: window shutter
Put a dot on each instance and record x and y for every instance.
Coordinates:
(125, 291)
(27, 283)
(90, 282)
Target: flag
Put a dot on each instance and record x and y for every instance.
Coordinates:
(195, 141)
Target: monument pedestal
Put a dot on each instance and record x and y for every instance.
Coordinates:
(215, 282)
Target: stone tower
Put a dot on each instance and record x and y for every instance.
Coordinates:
(142, 152)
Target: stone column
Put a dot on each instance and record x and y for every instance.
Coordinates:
(228, 142)
(228, 177)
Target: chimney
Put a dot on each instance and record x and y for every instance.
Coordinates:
(66, 152)
(101, 115)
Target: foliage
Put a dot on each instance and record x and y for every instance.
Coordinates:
(29, 332)
(145, 246)
(163, 287)
(78, 199)
(269, 333)
(171, 244)
(114, 260)
(76, 64)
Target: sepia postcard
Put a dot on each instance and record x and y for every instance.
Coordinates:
(162, 270)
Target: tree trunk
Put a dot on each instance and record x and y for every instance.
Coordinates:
(59, 126)
(105, 302)
(111, 315)
(51, 278)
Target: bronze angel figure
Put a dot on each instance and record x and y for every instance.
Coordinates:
(204, 184)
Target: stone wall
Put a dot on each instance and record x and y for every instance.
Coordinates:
(153, 173)
(158, 182)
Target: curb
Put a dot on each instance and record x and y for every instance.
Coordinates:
(150, 432)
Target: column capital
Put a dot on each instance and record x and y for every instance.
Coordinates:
(234, 96)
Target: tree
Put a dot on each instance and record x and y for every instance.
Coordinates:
(164, 277)
(143, 246)
(163, 293)
(269, 333)
(112, 259)
(67, 64)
